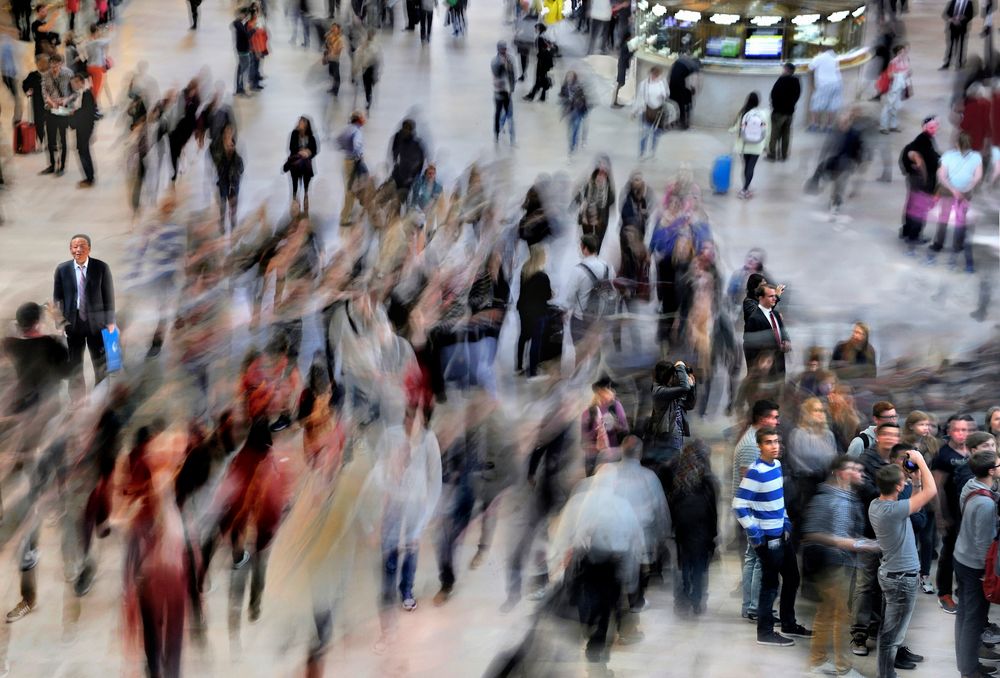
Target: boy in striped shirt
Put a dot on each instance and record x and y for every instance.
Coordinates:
(760, 507)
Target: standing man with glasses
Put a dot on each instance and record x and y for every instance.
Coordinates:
(899, 571)
(883, 412)
(84, 292)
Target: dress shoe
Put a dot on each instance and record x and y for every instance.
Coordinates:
(48, 170)
(986, 670)
(905, 653)
(84, 184)
(901, 663)
(60, 171)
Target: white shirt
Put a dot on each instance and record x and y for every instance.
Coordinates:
(825, 69)
(581, 284)
(652, 93)
(600, 10)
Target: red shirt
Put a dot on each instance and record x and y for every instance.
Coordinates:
(977, 121)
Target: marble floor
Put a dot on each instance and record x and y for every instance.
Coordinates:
(837, 271)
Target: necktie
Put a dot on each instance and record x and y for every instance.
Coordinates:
(774, 327)
(81, 293)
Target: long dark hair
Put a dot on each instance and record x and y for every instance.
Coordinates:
(753, 101)
(309, 125)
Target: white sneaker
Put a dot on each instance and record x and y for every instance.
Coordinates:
(825, 669)
(990, 635)
(927, 587)
(851, 673)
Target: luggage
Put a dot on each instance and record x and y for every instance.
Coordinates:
(24, 137)
(722, 168)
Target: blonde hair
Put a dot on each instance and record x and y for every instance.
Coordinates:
(536, 260)
(804, 408)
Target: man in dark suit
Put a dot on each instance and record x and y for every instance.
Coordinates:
(84, 117)
(958, 14)
(764, 331)
(85, 294)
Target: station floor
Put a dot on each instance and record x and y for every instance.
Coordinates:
(840, 269)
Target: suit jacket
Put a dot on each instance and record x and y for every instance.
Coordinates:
(85, 116)
(965, 19)
(100, 294)
(758, 338)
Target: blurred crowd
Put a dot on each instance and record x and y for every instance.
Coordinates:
(302, 402)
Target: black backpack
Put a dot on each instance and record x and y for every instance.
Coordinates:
(604, 298)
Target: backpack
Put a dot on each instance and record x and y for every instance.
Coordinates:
(604, 298)
(991, 578)
(866, 440)
(345, 140)
(753, 128)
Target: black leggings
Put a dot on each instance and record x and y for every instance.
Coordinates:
(749, 162)
(296, 180)
(368, 80)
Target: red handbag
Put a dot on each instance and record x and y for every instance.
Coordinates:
(882, 84)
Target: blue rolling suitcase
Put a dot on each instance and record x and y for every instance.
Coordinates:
(722, 168)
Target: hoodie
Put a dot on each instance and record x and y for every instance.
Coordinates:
(979, 525)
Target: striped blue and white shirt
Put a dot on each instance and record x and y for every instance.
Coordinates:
(760, 502)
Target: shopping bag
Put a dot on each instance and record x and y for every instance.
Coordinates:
(112, 349)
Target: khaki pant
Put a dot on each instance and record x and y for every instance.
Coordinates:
(830, 627)
(345, 213)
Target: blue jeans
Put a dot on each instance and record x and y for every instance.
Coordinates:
(900, 593)
(242, 68)
(575, 125)
(751, 581)
(691, 582)
(392, 527)
(650, 134)
(970, 620)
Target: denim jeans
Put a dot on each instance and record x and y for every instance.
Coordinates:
(751, 580)
(866, 596)
(392, 527)
(691, 582)
(777, 563)
(242, 68)
(900, 593)
(970, 619)
(650, 134)
(575, 125)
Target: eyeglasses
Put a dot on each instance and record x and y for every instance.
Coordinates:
(887, 416)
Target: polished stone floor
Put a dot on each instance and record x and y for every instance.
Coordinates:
(839, 270)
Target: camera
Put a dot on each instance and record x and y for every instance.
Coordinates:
(909, 465)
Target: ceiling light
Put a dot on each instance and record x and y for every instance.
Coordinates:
(686, 15)
(765, 20)
(659, 10)
(724, 19)
(805, 19)
(837, 16)
(858, 12)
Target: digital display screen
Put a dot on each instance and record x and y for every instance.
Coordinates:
(765, 44)
(723, 47)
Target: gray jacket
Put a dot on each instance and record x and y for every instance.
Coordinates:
(979, 525)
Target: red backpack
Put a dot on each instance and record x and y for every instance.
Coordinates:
(991, 578)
